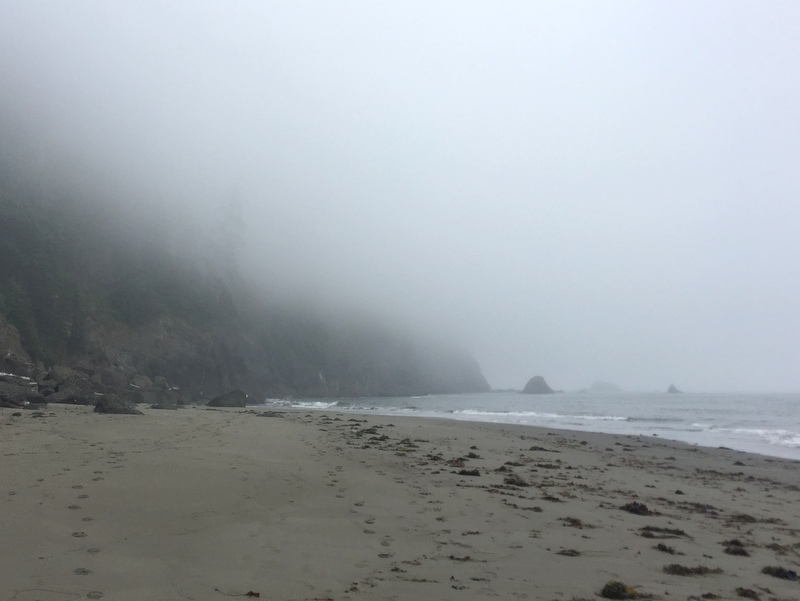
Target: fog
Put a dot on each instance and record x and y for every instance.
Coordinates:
(581, 190)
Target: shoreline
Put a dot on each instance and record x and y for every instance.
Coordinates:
(628, 414)
(308, 504)
(656, 437)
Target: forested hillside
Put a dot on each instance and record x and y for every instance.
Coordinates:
(89, 286)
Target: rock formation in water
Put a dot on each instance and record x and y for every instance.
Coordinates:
(673, 390)
(537, 385)
(604, 387)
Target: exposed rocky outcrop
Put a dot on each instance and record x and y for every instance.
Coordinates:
(13, 358)
(15, 396)
(74, 390)
(111, 403)
(673, 390)
(537, 385)
(87, 308)
(234, 398)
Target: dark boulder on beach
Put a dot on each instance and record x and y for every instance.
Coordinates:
(111, 403)
(234, 398)
(15, 396)
(674, 390)
(537, 385)
(74, 390)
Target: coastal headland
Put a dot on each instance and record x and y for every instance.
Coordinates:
(204, 503)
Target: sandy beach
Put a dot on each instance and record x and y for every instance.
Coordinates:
(212, 504)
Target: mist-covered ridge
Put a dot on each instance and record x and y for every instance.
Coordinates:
(106, 290)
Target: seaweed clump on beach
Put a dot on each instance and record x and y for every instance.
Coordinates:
(615, 589)
(516, 480)
(678, 570)
(575, 523)
(636, 508)
(735, 547)
(469, 473)
(779, 572)
(656, 532)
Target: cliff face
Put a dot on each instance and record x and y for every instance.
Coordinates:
(77, 291)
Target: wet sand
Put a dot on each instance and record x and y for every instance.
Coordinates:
(213, 504)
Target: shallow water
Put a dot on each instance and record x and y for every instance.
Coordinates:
(768, 424)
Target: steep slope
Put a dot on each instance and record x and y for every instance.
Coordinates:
(86, 285)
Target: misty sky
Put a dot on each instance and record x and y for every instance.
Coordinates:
(581, 190)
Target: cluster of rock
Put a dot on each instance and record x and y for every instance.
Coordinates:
(108, 390)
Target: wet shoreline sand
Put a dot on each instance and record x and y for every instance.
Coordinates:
(295, 505)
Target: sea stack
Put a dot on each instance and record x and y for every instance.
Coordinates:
(537, 385)
(674, 390)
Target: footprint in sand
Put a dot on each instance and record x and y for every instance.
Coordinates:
(79, 534)
(81, 572)
(74, 507)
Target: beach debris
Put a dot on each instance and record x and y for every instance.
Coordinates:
(569, 553)
(743, 518)
(270, 414)
(782, 549)
(735, 547)
(779, 572)
(666, 549)
(250, 594)
(656, 532)
(575, 523)
(534, 509)
(747, 593)
(636, 508)
(614, 589)
(469, 473)
(678, 570)
(551, 498)
(516, 480)
(543, 450)
(703, 508)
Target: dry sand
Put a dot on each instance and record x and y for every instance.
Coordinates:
(212, 504)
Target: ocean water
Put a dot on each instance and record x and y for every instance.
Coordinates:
(768, 424)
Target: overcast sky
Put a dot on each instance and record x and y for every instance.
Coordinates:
(581, 190)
